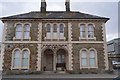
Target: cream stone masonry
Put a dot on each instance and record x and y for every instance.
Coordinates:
(2, 44)
(39, 47)
(105, 46)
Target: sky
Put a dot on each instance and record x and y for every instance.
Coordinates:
(104, 8)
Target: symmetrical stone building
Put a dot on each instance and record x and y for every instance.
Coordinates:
(54, 41)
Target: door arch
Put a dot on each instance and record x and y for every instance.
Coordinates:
(47, 60)
(61, 59)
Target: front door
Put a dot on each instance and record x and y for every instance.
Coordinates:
(49, 62)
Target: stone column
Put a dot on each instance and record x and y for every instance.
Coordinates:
(54, 61)
(70, 55)
(105, 47)
(3, 46)
(39, 47)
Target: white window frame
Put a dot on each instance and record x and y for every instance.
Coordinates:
(86, 30)
(14, 38)
(93, 32)
(21, 52)
(53, 33)
(88, 58)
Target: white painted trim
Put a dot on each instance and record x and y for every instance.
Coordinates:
(21, 53)
(22, 30)
(88, 58)
(86, 30)
(13, 52)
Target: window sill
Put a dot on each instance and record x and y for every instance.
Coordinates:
(94, 38)
(15, 39)
(19, 68)
(88, 67)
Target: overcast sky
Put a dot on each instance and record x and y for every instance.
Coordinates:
(108, 8)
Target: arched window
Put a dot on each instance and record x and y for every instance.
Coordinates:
(92, 58)
(26, 33)
(90, 31)
(82, 31)
(55, 28)
(19, 29)
(84, 58)
(48, 27)
(88, 58)
(61, 28)
(25, 59)
(16, 59)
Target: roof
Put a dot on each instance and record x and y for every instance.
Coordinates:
(54, 15)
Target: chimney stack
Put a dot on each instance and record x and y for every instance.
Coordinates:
(67, 4)
(43, 6)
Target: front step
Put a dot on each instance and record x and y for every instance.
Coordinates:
(52, 72)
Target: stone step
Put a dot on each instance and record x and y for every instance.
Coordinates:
(57, 79)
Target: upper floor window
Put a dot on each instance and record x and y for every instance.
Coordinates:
(87, 31)
(19, 30)
(55, 31)
(22, 31)
(61, 28)
(48, 28)
(55, 27)
(26, 32)
(90, 31)
(82, 31)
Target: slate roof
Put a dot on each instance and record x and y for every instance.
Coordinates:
(54, 15)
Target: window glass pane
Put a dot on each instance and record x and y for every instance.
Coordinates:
(90, 31)
(27, 27)
(25, 58)
(48, 27)
(18, 35)
(82, 30)
(16, 58)
(55, 28)
(26, 35)
(82, 27)
(90, 27)
(82, 34)
(61, 28)
(18, 27)
(92, 62)
(84, 54)
(84, 62)
(25, 63)
(92, 54)
(90, 34)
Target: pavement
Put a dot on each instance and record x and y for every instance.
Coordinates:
(61, 77)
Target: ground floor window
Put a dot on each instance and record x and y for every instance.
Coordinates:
(88, 58)
(20, 59)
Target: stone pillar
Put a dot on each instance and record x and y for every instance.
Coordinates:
(105, 47)
(70, 55)
(54, 61)
(3, 46)
(39, 47)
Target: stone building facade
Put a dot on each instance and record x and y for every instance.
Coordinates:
(54, 41)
